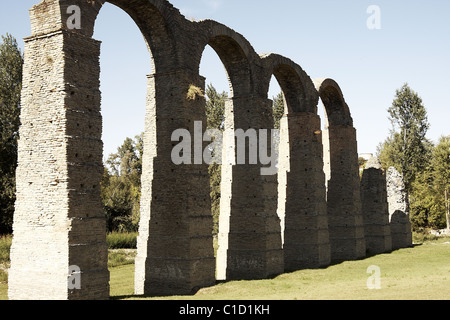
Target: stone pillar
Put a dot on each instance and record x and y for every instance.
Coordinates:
(175, 244)
(249, 228)
(306, 237)
(59, 247)
(398, 210)
(375, 208)
(345, 219)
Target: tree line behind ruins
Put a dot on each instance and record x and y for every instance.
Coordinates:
(424, 165)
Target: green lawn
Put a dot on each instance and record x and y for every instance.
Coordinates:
(422, 272)
(3, 291)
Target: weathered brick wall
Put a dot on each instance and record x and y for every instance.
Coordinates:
(249, 227)
(59, 220)
(345, 220)
(175, 245)
(306, 238)
(301, 189)
(343, 199)
(398, 210)
(375, 208)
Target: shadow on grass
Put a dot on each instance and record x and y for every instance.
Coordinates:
(126, 297)
(334, 262)
(368, 255)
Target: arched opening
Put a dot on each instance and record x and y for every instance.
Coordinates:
(321, 111)
(279, 104)
(212, 68)
(234, 62)
(288, 94)
(301, 194)
(336, 109)
(124, 67)
(242, 239)
(61, 160)
(341, 169)
(68, 221)
(217, 92)
(334, 112)
(292, 87)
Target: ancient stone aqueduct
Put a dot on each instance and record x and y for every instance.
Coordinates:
(315, 211)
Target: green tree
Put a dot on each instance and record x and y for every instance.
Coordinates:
(215, 171)
(441, 175)
(215, 114)
(388, 151)
(430, 190)
(423, 201)
(278, 109)
(121, 180)
(410, 152)
(128, 159)
(215, 107)
(11, 62)
(121, 186)
(407, 149)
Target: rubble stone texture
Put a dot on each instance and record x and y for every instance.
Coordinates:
(267, 225)
(398, 210)
(375, 208)
(302, 194)
(345, 220)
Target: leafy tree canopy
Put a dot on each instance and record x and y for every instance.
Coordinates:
(11, 62)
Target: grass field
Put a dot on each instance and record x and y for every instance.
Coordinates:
(422, 272)
(418, 273)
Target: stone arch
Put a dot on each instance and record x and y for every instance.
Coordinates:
(300, 168)
(337, 110)
(59, 226)
(59, 199)
(298, 89)
(235, 52)
(249, 242)
(158, 22)
(341, 168)
(155, 18)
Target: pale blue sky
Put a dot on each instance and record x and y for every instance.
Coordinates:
(328, 38)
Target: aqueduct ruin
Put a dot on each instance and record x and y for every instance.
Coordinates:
(59, 220)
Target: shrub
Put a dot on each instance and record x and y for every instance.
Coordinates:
(5, 246)
(121, 257)
(194, 92)
(118, 240)
(424, 235)
(3, 276)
